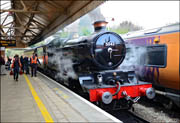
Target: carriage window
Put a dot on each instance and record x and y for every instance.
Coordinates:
(35, 50)
(56, 43)
(156, 56)
(40, 51)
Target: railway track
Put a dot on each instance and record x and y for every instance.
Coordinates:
(127, 116)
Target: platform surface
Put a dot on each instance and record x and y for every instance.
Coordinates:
(40, 99)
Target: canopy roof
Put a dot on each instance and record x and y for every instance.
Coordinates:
(29, 21)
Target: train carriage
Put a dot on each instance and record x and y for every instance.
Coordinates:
(164, 61)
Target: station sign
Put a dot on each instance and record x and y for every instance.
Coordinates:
(7, 43)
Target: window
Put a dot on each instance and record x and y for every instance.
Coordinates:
(40, 51)
(156, 56)
(56, 43)
(150, 56)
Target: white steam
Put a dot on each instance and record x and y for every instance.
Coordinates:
(63, 64)
(134, 60)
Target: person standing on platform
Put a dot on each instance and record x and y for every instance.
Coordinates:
(34, 59)
(26, 64)
(21, 60)
(16, 65)
(8, 62)
(2, 66)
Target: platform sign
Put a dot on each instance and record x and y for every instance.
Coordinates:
(7, 43)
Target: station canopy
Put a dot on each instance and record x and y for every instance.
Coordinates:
(29, 21)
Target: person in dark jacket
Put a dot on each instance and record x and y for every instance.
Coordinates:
(2, 61)
(16, 65)
(26, 64)
(9, 62)
(33, 61)
(21, 60)
(2, 65)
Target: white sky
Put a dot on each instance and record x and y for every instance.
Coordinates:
(148, 14)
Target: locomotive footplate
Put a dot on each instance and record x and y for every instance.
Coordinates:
(115, 85)
(108, 79)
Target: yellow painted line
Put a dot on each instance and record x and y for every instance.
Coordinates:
(45, 113)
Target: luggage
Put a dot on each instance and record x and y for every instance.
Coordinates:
(21, 72)
(11, 72)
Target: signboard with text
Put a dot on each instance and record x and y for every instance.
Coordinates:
(7, 43)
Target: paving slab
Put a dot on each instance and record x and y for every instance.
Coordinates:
(34, 99)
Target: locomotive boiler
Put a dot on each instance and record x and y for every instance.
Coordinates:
(94, 60)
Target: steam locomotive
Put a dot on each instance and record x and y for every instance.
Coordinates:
(89, 64)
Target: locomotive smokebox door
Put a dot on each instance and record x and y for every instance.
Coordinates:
(108, 50)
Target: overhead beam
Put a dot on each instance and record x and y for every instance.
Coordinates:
(21, 27)
(4, 3)
(16, 36)
(3, 33)
(28, 11)
(24, 6)
(33, 32)
(38, 23)
(35, 25)
(30, 19)
(5, 19)
(19, 19)
(9, 28)
(8, 23)
(20, 11)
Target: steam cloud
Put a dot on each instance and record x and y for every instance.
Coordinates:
(63, 64)
(134, 60)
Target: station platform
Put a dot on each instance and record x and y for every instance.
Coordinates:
(41, 99)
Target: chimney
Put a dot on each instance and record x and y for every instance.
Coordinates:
(100, 25)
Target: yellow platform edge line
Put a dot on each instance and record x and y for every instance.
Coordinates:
(41, 106)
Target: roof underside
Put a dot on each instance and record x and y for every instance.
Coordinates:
(29, 21)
